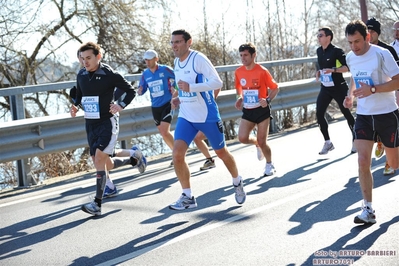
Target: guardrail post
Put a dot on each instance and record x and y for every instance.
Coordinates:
(123, 144)
(273, 122)
(18, 112)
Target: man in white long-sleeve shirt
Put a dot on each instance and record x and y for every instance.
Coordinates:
(196, 79)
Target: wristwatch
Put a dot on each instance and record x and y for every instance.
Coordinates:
(373, 90)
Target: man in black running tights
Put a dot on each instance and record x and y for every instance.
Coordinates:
(331, 64)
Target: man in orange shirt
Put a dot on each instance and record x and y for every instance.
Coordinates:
(256, 88)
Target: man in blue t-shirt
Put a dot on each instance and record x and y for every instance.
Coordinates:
(159, 80)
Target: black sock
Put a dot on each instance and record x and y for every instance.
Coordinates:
(118, 162)
(101, 181)
(133, 161)
(98, 201)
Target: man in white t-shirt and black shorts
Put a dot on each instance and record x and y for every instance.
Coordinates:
(375, 78)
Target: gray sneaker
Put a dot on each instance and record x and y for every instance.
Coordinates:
(183, 203)
(209, 163)
(240, 193)
(141, 160)
(326, 148)
(92, 208)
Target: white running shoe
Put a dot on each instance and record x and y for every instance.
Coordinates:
(379, 150)
(240, 193)
(366, 217)
(388, 170)
(141, 160)
(209, 163)
(92, 208)
(269, 169)
(326, 148)
(353, 150)
(183, 203)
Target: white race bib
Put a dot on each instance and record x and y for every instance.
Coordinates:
(156, 88)
(326, 79)
(363, 76)
(91, 107)
(187, 97)
(251, 98)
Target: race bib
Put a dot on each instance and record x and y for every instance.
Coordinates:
(91, 107)
(362, 76)
(156, 88)
(326, 79)
(187, 96)
(251, 98)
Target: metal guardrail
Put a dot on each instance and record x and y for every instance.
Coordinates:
(26, 138)
(43, 135)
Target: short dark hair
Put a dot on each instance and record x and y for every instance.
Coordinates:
(91, 46)
(328, 31)
(247, 46)
(186, 35)
(356, 25)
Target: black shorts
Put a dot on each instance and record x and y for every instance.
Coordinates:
(162, 114)
(256, 115)
(103, 135)
(384, 126)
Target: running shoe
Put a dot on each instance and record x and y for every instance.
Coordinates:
(240, 193)
(367, 216)
(326, 148)
(388, 170)
(183, 203)
(260, 153)
(353, 150)
(209, 163)
(141, 160)
(91, 208)
(109, 193)
(379, 150)
(269, 169)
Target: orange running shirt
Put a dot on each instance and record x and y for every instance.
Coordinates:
(253, 85)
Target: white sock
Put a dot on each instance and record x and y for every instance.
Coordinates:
(368, 204)
(110, 184)
(236, 180)
(328, 141)
(187, 191)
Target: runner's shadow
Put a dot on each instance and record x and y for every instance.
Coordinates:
(334, 207)
(151, 241)
(362, 245)
(293, 177)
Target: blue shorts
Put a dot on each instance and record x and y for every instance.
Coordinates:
(186, 131)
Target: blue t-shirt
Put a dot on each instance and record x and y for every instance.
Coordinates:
(160, 84)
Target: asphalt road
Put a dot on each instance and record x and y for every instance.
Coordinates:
(303, 215)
